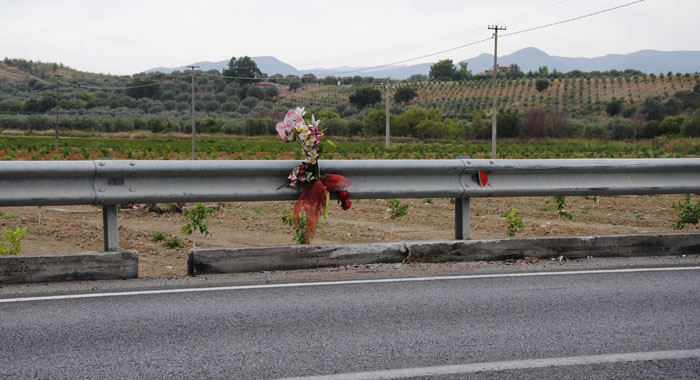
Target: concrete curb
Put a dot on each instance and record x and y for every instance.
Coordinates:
(71, 267)
(245, 259)
(570, 247)
(256, 259)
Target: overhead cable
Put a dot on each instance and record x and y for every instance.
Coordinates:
(79, 85)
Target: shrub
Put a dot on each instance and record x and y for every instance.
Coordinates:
(405, 94)
(158, 236)
(242, 91)
(258, 127)
(397, 210)
(671, 125)
(691, 127)
(594, 130)
(513, 223)
(229, 106)
(256, 92)
(689, 213)
(195, 220)
(651, 128)
(173, 242)
(354, 127)
(335, 127)
(375, 122)
(508, 124)
(621, 129)
(271, 92)
(300, 229)
(364, 96)
(250, 102)
(537, 122)
(614, 106)
(11, 241)
(541, 84)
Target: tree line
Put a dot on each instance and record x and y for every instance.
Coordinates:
(233, 101)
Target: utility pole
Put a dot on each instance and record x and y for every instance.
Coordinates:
(194, 149)
(388, 93)
(57, 105)
(495, 28)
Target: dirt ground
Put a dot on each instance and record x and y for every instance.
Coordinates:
(71, 229)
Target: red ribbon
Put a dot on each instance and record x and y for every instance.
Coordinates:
(314, 198)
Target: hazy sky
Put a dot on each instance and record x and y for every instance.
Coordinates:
(127, 36)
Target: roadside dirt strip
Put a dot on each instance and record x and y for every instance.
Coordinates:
(249, 225)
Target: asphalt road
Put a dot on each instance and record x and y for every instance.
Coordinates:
(564, 325)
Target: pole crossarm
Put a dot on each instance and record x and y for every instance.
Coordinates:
(105, 182)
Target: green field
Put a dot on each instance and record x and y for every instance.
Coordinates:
(160, 147)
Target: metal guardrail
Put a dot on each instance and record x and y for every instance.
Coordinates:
(112, 182)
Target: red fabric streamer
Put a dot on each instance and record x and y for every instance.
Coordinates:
(313, 201)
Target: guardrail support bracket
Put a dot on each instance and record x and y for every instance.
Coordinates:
(462, 218)
(109, 219)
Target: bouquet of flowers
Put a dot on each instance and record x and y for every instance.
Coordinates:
(315, 196)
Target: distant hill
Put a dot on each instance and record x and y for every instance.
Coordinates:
(529, 59)
(266, 64)
(648, 61)
(20, 70)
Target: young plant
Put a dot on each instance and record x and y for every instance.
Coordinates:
(689, 213)
(593, 198)
(173, 242)
(195, 221)
(11, 241)
(158, 236)
(513, 223)
(561, 207)
(299, 230)
(397, 210)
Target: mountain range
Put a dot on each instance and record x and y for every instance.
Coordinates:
(529, 59)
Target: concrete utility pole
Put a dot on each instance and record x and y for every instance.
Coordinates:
(194, 149)
(388, 94)
(57, 105)
(495, 28)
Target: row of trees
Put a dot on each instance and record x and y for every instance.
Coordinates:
(237, 95)
(447, 70)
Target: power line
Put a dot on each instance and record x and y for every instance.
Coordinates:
(571, 19)
(78, 85)
(206, 74)
(487, 39)
(377, 66)
(413, 59)
(557, 7)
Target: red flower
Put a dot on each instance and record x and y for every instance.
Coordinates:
(346, 205)
(343, 196)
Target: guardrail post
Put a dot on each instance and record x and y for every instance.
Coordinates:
(462, 218)
(109, 219)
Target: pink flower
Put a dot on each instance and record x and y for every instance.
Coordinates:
(282, 131)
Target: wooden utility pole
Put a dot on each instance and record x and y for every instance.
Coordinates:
(388, 116)
(194, 149)
(57, 105)
(495, 28)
